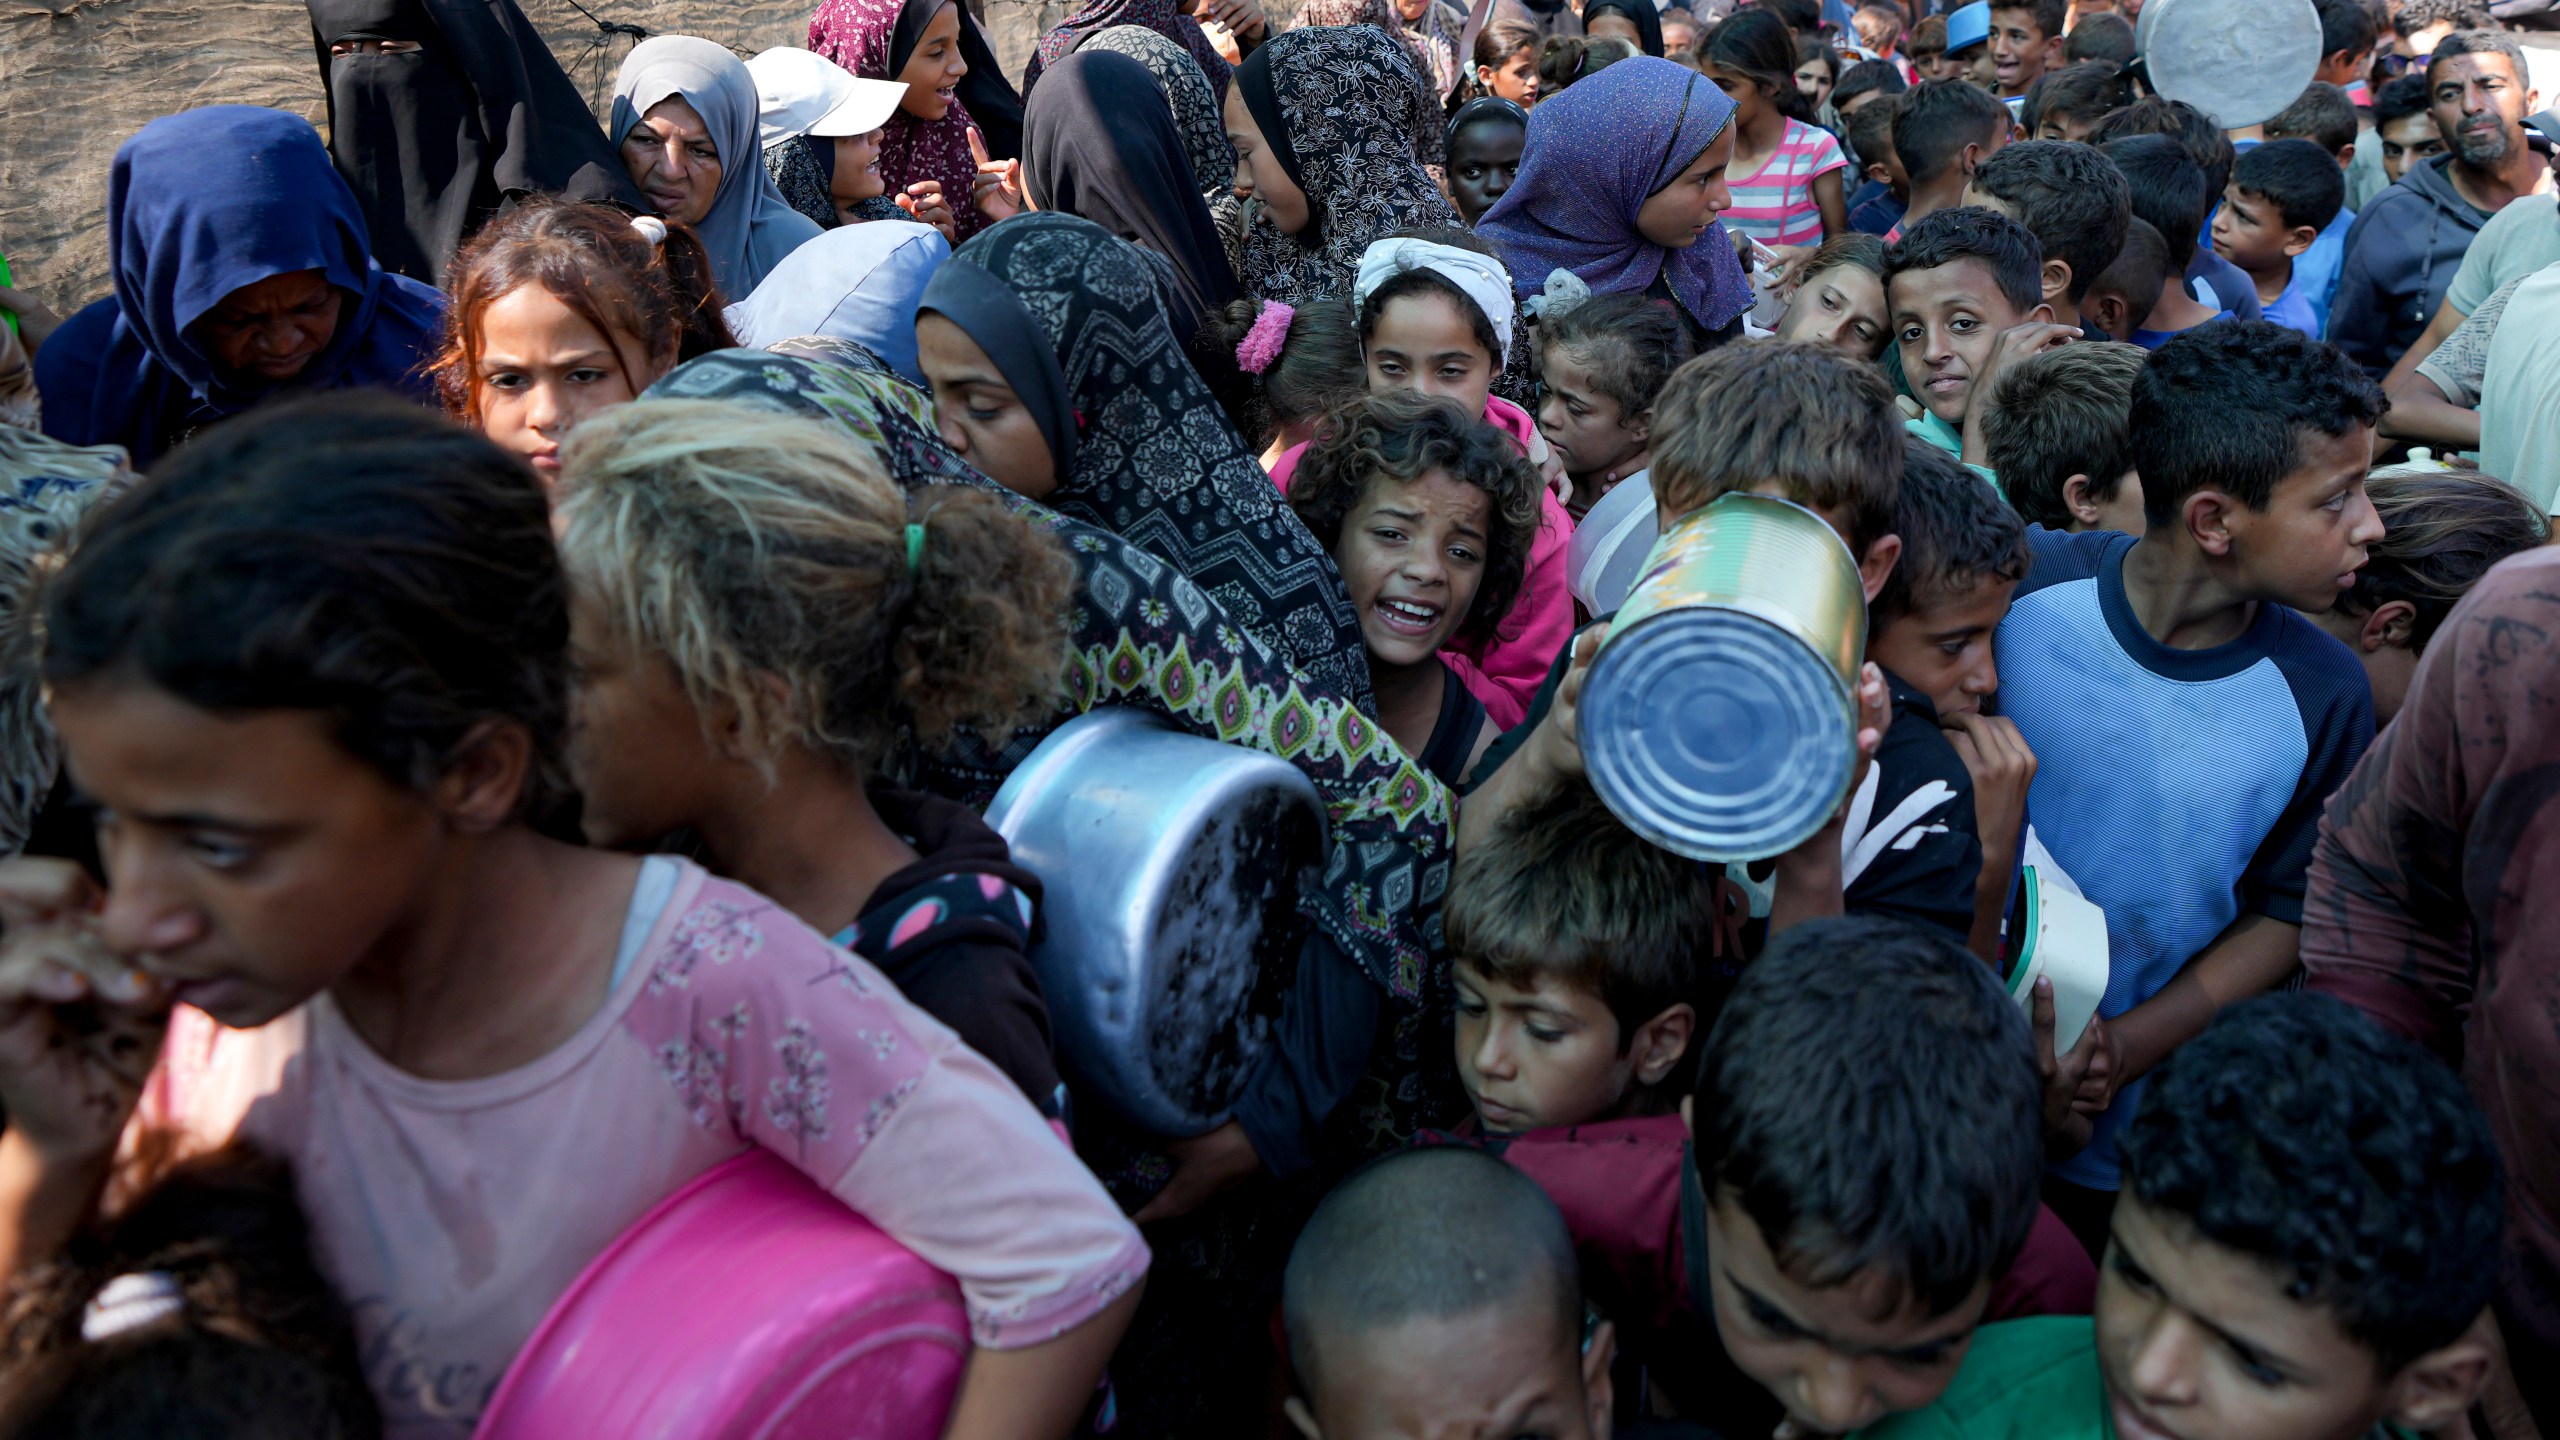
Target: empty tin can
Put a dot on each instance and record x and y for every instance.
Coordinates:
(1719, 719)
(1170, 867)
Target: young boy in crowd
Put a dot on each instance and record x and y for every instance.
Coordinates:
(2057, 433)
(2026, 41)
(2252, 441)
(1435, 1293)
(2168, 193)
(1927, 50)
(2132, 288)
(2074, 202)
(2208, 276)
(2325, 117)
(2348, 30)
(1965, 289)
(1869, 82)
(1942, 132)
(2308, 1233)
(1879, 204)
(2068, 103)
(2105, 38)
(2283, 195)
(1879, 30)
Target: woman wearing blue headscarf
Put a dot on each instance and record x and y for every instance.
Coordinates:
(243, 272)
(684, 115)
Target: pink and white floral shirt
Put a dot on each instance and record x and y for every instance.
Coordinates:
(452, 1214)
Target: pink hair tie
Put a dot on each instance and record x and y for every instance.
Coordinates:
(1261, 344)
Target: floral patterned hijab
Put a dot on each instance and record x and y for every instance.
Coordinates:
(1160, 16)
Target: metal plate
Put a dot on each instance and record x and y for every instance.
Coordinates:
(2239, 61)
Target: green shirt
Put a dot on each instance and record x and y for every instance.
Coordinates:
(2517, 241)
(2034, 1379)
(1948, 438)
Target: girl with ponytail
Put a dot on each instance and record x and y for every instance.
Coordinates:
(560, 310)
(758, 616)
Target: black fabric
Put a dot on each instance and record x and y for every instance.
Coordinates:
(952, 932)
(1264, 103)
(1453, 735)
(1646, 19)
(433, 141)
(1327, 1031)
(1099, 141)
(979, 303)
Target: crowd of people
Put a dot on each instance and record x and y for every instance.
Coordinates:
(511, 620)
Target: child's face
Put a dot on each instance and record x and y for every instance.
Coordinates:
(637, 747)
(1425, 344)
(1744, 91)
(1813, 82)
(254, 860)
(1678, 36)
(1678, 213)
(1583, 424)
(1501, 1371)
(1482, 161)
(1259, 173)
(542, 368)
(1412, 556)
(2250, 232)
(1839, 1359)
(1877, 31)
(1981, 67)
(1932, 64)
(2408, 140)
(1515, 80)
(1546, 1056)
(2019, 51)
(1943, 649)
(2306, 546)
(2200, 1342)
(2054, 125)
(1842, 307)
(1947, 319)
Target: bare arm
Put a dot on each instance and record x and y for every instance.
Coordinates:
(2251, 958)
(1038, 1392)
(2420, 411)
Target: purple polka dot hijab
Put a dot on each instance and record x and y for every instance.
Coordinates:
(1597, 151)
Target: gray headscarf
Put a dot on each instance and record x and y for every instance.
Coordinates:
(750, 227)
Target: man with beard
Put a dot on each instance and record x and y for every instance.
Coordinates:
(2406, 247)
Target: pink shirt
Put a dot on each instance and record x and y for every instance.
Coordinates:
(1776, 205)
(1505, 671)
(451, 1214)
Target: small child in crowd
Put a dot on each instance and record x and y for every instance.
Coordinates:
(1879, 30)
(2167, 189)
(2308, 1236)
(2058, 437)
(1429, 514)
(2105, 38)
(1309, 359)
(2441, 531)
(1927, 49)
(1867, 83)
(2068, 103)
(1787, 173)
(1883, 194)
(2208, 274)
(1966, 291)
(2073, 200)
(1942, 132)
(1484, 141)
(2283, 195)
(1839, 298)
(2252, 442)
(1435, 1292)
(2026, 41)
(2325, 117)
(1600, 363)
(2133, 288)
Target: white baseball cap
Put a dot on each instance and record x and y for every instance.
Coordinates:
(800, 92)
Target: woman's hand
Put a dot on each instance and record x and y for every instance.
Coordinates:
(924, 201)
(997, 192)
(79, 1028)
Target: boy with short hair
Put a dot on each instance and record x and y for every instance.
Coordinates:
(2406, 125)
(2105, 38)
(2283, 194)
(1868, 82)
(2068, 103)
(2132, 289)
(2325, 117)
(2058, 434)
(2073, 200)
(1435, 1292)
(2208, 276)
(1882, 201)
(1927, 49)
(2026, 41)
(1965, 289)
(2167, 188)
(2232, 1306)
(1942, 132)
(2252, 442)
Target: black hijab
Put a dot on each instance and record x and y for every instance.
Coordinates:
(434, 140)
(1647, 20)
(1099, 141)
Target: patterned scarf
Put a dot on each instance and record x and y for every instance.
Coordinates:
(1160, 16)
(1195, 106)
(1355, 114)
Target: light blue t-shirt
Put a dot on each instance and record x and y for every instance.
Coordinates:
(2293, 309)
(2180, 789)
(2315, 271)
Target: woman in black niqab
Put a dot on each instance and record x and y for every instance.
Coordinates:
(441, 110)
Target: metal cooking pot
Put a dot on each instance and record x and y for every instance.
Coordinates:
(1719, 720)
(2239, 61)
(1171, 867)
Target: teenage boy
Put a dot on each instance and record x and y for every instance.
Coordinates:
(2133, 288)
(2169, 197)
(2253, 442)
(2406, 246)
(1881, 202)
(2026, 41)
(2231, 1307)
(2208, 276)
(2326, 118)
(1435, 1292)
(2059, 435)
(1965, 292)
(1942, 132)
(2074, 201)
(2068, 103)
(2283, 194)
(2405, 126)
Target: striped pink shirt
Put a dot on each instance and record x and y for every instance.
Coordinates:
(1775, 207)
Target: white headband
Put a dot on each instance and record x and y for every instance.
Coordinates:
(1480, 277)
(129, 1302)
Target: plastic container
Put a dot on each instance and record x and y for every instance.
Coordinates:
(749, 1305)
(1170, 926)
(1719, 719)
(2061, 937)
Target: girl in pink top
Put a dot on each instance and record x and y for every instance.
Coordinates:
(1436, 318)
(313, 673)
(1786, 174)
